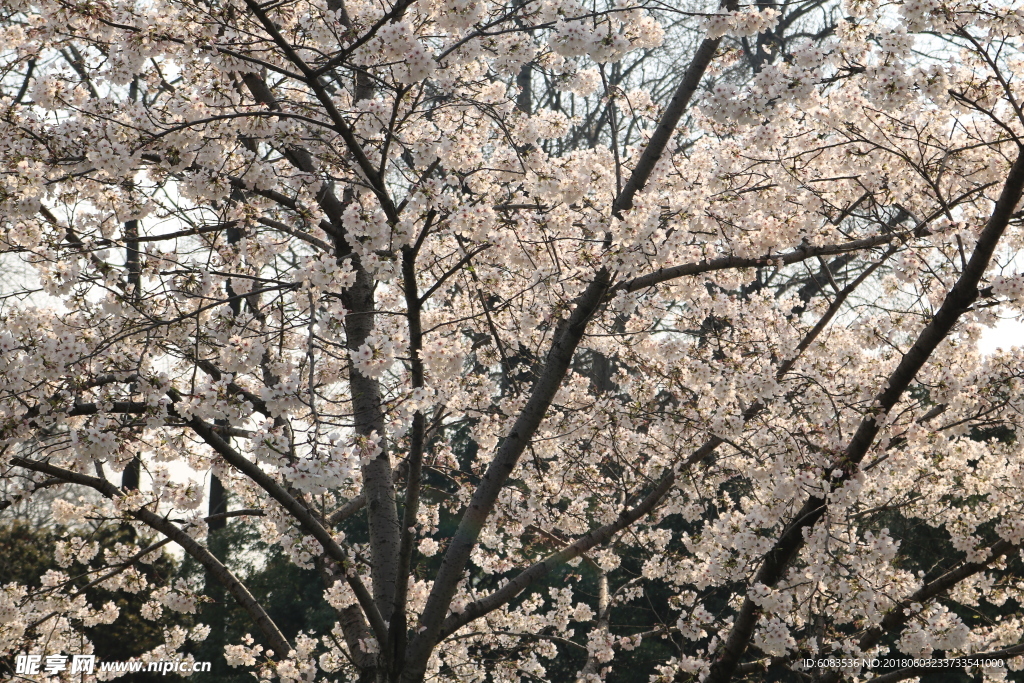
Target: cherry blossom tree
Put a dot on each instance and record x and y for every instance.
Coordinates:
(507, 316)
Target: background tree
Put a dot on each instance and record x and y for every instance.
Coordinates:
(541, 333)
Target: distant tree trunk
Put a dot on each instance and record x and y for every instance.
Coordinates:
(216, 611)
(133, 266)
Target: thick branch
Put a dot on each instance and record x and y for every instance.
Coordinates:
(413, 302)
(299, 511)
(259, 616)
(677, 106)
(959, 299)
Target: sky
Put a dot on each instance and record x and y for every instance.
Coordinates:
(1006, 334)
